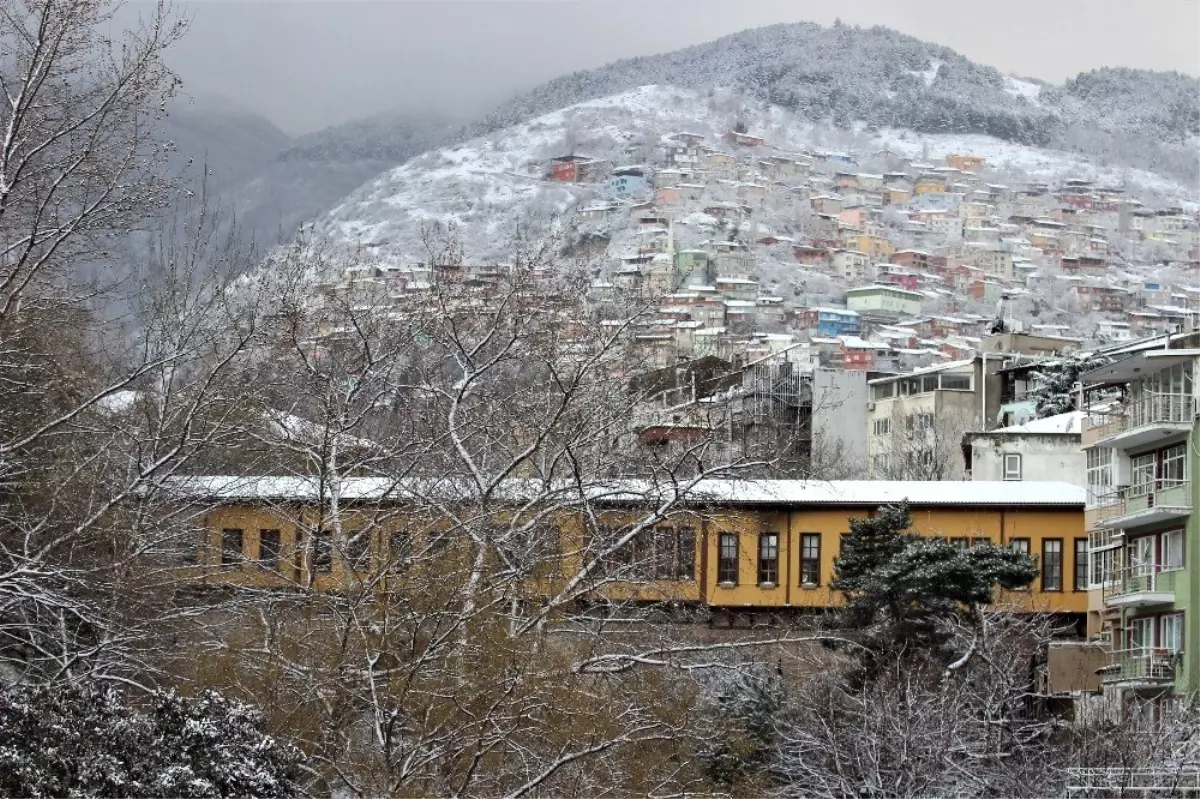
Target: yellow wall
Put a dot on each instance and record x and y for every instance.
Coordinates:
(998, 525)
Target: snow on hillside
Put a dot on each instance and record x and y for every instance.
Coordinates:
(1023, 88)
(490, 186)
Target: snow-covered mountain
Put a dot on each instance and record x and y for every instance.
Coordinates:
(491, 186)
(883, 78)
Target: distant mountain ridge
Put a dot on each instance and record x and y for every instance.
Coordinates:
(884, 78)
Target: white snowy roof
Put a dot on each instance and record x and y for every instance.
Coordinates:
(854, 493)
(1064, 423)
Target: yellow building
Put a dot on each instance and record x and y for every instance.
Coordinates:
(735, 545)
(927, 184)
(877, 247)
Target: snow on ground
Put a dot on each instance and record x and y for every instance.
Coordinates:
(928, 75)
(1023, 88)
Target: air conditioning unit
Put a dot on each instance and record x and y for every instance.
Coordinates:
(870, 406)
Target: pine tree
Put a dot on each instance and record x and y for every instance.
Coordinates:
(85, 741)
(900, 588)
(1056, 393)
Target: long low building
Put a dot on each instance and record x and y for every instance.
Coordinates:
(724, 544)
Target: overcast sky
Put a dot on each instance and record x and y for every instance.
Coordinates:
(306, 65)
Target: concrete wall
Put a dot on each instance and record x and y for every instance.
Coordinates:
(839, 421)
(1053, 457)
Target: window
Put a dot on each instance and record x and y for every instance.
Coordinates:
(1052, 565)
(399, 550)
(727, 559)
(956, 382)
(1099, 473)
(1012, 466)
(883, 427)
(1172, 550)
(322, 557)
(1141, 473)
(768, 558)
(1081, 564)
(1141, 634)
(960, 543)
(268, 548)
(1020, 545)
(1104, 565)
(842, 539)
(674, 553)
(810, 559)
(358, 550)
(1173, 469)
(1170, 632)
(979, 542)
(231, 546)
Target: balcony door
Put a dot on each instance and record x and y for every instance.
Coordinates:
(1141, 636)
(1141, 556)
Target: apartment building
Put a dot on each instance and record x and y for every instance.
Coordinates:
(1141, 454)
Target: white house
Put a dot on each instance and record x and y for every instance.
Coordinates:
(1041, 449)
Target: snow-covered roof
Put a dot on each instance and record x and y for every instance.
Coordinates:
(1064, 424)
(853, 493)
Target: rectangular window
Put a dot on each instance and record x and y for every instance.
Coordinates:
(1081, 564)
(1052, 565)
(231, 546)
(956, 382)
(1141, 474)
(358, 550)
(1141, 634)
(322, 556)
(686, 541)
(1172, 550)
(980, 541)
(960, 543)
(842, 543)
(727, 559)
(1020, 545)
(268, 548)
(768, 558)
(1170, 633)
(810, 559)
(1099, 473)
(399, 550)
(1173, 469)
(1012, 466)
(883, 427)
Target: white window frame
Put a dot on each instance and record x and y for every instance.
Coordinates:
(1171, 551)
(1170, 633)
(1010, 474)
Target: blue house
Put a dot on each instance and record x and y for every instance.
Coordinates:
(628, 181)
(831, 322)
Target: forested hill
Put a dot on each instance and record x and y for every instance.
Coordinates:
(887, 79)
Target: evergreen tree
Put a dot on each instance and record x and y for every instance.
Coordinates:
(1056, 392)
(85, 741)
(901, 587)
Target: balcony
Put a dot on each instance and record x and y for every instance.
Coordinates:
(1139, 668)
(1138, 586)
(1154, 502)
(1149, 420)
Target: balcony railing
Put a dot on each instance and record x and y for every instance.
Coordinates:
(1144, 503)
(1142, 584)
(1146, 666)
(1149, 411)
(1102, 783)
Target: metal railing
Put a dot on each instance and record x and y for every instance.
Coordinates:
(1108, 506)
(1098, 783)
(1160, 493)
(1140, 665)
(1140, 579)
(1151, 409)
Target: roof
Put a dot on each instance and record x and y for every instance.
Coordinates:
(1063, 424)
(853, 493)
